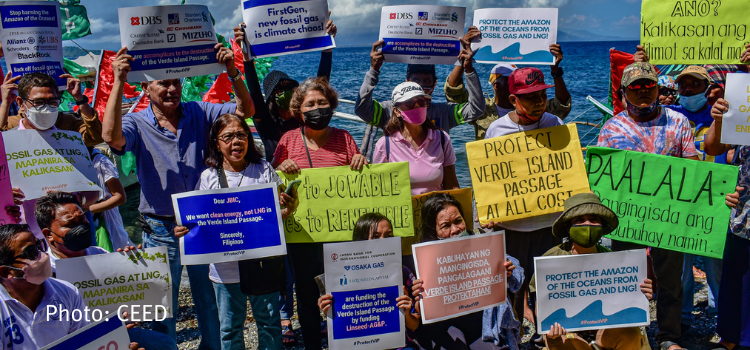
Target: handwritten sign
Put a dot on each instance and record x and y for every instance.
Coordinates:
(666, 202)
(107, 281)
(591, 291)
(527, 173)
(56, 160)
(6, 189)
(462, 195)
(168, 42)
(694, 32)
(280, 28)
(106, 334)
(32, 38)
(230, 224)
(331, 200)
(735, 124)
(461, 275)
(515, 35)
(364, 278)
(423, 34)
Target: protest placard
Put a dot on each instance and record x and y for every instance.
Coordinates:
(526, 174)
(32, 38)
(591, 291)
(515, 35)
(364, 314)
(735, 124)
(168, 42)
(461, 275)
(106, 334)
(331, 200)
(665, 202)
(423, 34)
(277, 28)
(6, 189)
(463, 196)
(107, 281)
(49, 160)
(693, 32)
(230, 224)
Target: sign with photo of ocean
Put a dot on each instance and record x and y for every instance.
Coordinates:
(515, 35)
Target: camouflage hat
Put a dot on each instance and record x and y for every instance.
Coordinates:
(638, 70)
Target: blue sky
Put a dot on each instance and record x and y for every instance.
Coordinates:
(358, 20)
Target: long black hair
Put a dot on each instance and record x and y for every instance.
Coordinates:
(366, 225)
(214, 157)
(430, 210)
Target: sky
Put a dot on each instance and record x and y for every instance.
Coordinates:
(358, 20)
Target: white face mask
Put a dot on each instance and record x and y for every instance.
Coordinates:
(42, 118)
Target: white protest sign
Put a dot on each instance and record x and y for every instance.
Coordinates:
(277, 28)
(591, 291)
(515, 35)
(107, 281)
(424, 34)
(106, 334)
(49, 160)
(365, 278)
(32, 39)
(168, 42)
(735, 126)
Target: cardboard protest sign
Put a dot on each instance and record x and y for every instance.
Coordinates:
(526, 174)
(735, 124)
(40, 161)
(6, 190)
(364, 314)
(107, 281)
(331, 200)
(515, 35)
(665, 202)
(591, 291)
(32, 38)
(424, 34)
(694, 32)
(461, 275)
(106, 334)
(277, 28)
(230, 224)
(168, 42)
(463, 196)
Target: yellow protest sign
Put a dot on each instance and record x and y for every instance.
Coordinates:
(462, 195)
(694, 31)
(526, 174)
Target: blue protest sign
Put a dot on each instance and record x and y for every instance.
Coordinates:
(109, 333)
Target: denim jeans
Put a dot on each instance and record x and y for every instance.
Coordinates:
(151, 340)
(200, 286)
(712, 268)
(232, 313)
(286, 309)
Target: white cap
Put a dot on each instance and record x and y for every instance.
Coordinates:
(406, 91)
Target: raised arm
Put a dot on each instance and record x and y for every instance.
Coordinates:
(244, 104)
(326, 56)
(112, 120)
(371, 111)
(712, 142)
(475, 108)
(561, 90)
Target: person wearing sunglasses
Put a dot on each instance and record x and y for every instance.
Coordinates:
(667, 90)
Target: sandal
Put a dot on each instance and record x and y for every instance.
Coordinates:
(287, 336)
(665, 345)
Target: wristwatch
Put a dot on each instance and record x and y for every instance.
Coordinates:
(557, 74)
(236, 77)
(83, 101)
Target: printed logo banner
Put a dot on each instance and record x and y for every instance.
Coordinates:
(107, 281)
(735, 124)
(591, 291)
(107, 334)
(694, 32)
(230, 224)
(463, 196)
(49, 160)
(665, 202)
(277, 28)
(331, 200)
(423, 34)
(168, 42)
(461, 275)
(526, 174)
(515, 35)
(32, 38)
(364, 278)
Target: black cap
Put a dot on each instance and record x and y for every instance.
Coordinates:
(272, 81)
(420, 68)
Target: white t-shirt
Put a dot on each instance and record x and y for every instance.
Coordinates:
(105, 171)
(92, 250)
(27, 330)
(506, 126)
(254, 174)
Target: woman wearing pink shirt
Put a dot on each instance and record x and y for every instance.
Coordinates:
(410, 137)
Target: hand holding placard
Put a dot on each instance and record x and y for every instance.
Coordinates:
(735, 123)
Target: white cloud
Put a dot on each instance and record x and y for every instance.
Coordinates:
(578, 21)
(628, 20)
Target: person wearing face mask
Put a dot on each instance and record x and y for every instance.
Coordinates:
(583, 223)
(410, 137)
(445, 116)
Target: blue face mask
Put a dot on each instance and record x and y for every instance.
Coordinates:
(693, 103)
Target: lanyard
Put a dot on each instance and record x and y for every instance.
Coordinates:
(302, 133)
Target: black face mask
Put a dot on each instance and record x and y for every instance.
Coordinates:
(78, 238)
(318, 119)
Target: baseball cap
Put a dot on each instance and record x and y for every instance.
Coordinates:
(420, 68)
(526, 80)
(697, 72)
(666, 81)
(501, 70)
(638, 70)
(406, 91)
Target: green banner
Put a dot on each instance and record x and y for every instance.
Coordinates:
(694, 32)
(74, 19)
(666, 202)
(331, 200)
